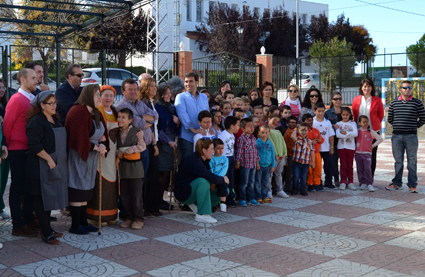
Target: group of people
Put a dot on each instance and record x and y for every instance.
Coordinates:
(76, 144)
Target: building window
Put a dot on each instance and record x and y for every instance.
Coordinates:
(267, 10)
(307, 61)
(304, 19)
(234, 7)
(245, 8)
(212, 5)
(198, 10)
(188, 11)
(223, 6)
(257, 12)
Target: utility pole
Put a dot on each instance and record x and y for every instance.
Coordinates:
(297, 47)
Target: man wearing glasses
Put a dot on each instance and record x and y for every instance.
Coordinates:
(69, 91)
(406, 114)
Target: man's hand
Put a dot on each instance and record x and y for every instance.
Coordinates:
(173, 144)
(331, 151)
(44, 87)
(272, 170)
(149, 118)
(4, 153)
(237, 165)
(156, 151)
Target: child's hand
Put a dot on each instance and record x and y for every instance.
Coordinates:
(371, 147)
(336, 126)
(343, 132)
(117, 162)
(140, 135)
(312, 165)
(314, 141)
(258, 166)
(156, 151)
(226, 180)
(272, 170)
(331, 151)
(102, 138)
(128, 151)
(237, 165)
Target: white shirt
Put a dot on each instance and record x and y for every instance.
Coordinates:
(347, 141)
(365, 107)
(28, 95)
(199, 136)
(229, 143)
(326, 130)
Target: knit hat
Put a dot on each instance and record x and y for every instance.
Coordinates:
(105, 87)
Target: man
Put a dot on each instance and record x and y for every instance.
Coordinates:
(144, 76)
(14, 129)
(406, 114)
(188, 105)
(40, 77)
(69, 91)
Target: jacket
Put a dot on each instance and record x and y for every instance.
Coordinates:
(376, 111)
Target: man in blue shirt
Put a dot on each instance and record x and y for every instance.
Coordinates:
(188, 105)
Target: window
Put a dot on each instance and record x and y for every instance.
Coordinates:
(304, 19)
(307, 61)
(257, 12)
(245, 8)
(223, 6)
(212, 5)
(234, 7)
(188, 11)
(267, 10)
(125, 75)
(198, 10)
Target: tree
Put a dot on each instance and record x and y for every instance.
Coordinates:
(319, 28)
(335, 59)
(416, 55)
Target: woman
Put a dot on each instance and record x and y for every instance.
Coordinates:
(109, 171)
(87, 141)
(368, 104)
(254, 94)
(168, 129)
(194, 184)
(148, 93)
(267, 90)
(293, 101)
(334, 116)
(225, 86)
(5, 165)
(312, 97)
(46, 168)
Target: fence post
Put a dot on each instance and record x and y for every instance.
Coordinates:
(206, 76)
(243, 76)
(103, 75)
(58, 62)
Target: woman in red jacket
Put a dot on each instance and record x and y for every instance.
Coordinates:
(368, 104)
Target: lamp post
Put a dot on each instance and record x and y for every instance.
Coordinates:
(240, 31)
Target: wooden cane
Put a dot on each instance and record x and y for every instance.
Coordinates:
(100, 196)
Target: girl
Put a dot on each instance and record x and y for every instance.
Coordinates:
(216, 122)
(364, 148)
(258, 111)
(346, 134)
(219, 165)
(226, 109)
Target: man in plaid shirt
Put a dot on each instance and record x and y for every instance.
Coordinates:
(247, 160)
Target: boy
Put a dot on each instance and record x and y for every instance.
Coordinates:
(219, 166)
(255, 120)
(130, 164)
(267, 165)
(246, 106)
(247, 160)
(287, 171)
(285, 112)
(238, 112)
(228, 96)
(231, 125)
(225, 109)
(258, 111)
(204, 120)
(327, 147)
(303, 154)
(314, 177)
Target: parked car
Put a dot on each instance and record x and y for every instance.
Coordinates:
(14, 85)
(114, 77)
(308, 80)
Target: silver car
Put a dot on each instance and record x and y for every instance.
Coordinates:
(114, 77)
(13, 82)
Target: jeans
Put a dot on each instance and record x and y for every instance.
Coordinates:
(409, 144)
(186, 148)
(262, 182)
(300, 176)
(246, 186)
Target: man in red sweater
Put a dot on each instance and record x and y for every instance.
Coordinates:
(14, 129)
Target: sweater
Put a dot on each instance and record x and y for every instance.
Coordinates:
(364, 141)
(278, 143)
(266, 152)
(347, 141)
(14, 124)
(219, 165)
(406, 116)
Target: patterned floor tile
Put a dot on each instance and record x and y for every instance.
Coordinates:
(379, 234)
(6, 231)
(189, 217)
(380, 217)
(408, 208)
(367, 202)
(413, 265)
(13, 255)
(293, 203)
(345, 228)
(9, 272)
(336, 210)
(253, 211)
(414, 240)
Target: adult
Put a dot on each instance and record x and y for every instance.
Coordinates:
(406, 114)
(46, 167)
(267, 91)
(5, 165)
(14, 129)
(68, 93)
(109, 172)
(254, 94)
(370, 105)
(293, 100)
(168, 129)
(334, 116)
(194, 182)
(87, 140)
(312, 96)
(225, 86)
(144, 76)
(148, 94)
(40, 77)
(188, 105)
(176, 86)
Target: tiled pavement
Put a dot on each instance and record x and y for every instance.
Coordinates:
(331, 233)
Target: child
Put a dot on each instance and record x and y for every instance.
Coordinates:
(231, 125)
(287, 171)
(285, 113)
(219, 165)
(327, 148)
(247, 160)
(258, 111)
(265, 113)
(364, 148)
(346, 134)
(280, 154)
(216, 122)
(204, 121)
(228, 96)
(274, 110)
(267, 165)
(129, 146)
(246, 106)
(239, 113)
(303, 154)
(314, 176)
(255, 120)
(226, 109)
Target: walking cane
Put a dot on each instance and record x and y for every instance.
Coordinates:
(173, 175)
(100, 196)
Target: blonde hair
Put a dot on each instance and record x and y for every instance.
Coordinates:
(245, 99)
(144, 90)
(236, 99)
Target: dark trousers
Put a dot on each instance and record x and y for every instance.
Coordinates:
(132, 198)
(374, 152)
(42, 215)
(300, 177)
(164, 183)
(21, 206)
(186, 148)
(151, 187)
(144, 156)
(328, 167)
(288, 174)
(230, 174)
(364, 173)
(335, 160)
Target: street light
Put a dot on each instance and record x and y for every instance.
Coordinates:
(240, 31)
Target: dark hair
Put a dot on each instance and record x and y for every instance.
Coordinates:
(224, 83)
(238, 110)
(203, 143)
(128, 112)
(346, 109)
(273, 116)
(242, 93)
(306, 116)
(32, 65)
(214, 95)
(127, 81)
(86, 98)
(217, 142)
(281, 129)
(34, 110)
(204, 90)
(229, 121)
(406, 81)
(285, 107)
(302, 124)
(213, 112)
(227, 92)
(365, 117)
(292, 117)
(266, 84)
(272, 109)
(245, 121)
(370, 83)
(319, 105)
(331, 105)
(222, 103)
(203, 114)
(192, 74)
(307, 102)
(257, 108)
(5, 98)
(70, 69)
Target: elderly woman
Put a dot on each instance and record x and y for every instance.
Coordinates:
(168, 129)
(370, 105)
(46, 168)
(5, 165)
(312, 97)
(109, 171)
(87, 141)
(267, 90)
(293, 101)
(176, 86)
(195, 183)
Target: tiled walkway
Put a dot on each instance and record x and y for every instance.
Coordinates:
(331, 233)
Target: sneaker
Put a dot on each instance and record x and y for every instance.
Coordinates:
(261, 201)
(282, 194)
(413, 190)
(330, 186)
(370, 188)
(254, 202)
(352, 186)
(342, 186)
(4, 215)
(205, 218)
(270, 195)
(242, 203)
(363, 187)
(194, 208)
(137, 225)
(393, 187)
(311, 188)
(126, 224)
(319, 188)
(268, 200)
(223, 207)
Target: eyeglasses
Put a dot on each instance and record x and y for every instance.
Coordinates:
(52, 103)
(337, 99)
(293, 90)
(407, 88)
(315, 95)
(78, 75)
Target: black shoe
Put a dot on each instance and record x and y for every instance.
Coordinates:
(304, 193)
(319, 188)
(80, 231)
(294, 192)
(184, 207)
(91, 228)
(165, 206)
(146, 214)
(311, 188)
(330, 186)
(157, 214)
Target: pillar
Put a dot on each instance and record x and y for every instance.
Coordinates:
(266, 61)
